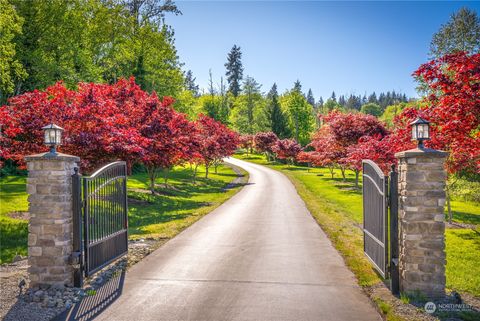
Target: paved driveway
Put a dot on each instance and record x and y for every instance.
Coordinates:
(259, 256)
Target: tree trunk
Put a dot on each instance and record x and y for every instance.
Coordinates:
(342, 169)
(331, 171)
(206, 170)
(152, 175)
(195, 174)
(165, 176)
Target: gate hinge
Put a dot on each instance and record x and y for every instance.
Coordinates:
(395, 261)
(74, 258)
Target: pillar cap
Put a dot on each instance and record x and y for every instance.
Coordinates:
(59, 157)
(421, 152)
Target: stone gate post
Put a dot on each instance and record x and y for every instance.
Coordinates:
(49, 186)
(421, 188)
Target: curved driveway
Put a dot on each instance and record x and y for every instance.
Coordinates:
(259, 256)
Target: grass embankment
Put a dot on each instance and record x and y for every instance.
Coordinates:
(337, 207)
(163, 215)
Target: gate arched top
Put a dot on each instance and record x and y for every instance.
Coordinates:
(108, 166)
(374, 166)
(374, 173)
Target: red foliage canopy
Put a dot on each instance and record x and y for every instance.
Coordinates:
(264, 142)
(287, 149)
(452, 107)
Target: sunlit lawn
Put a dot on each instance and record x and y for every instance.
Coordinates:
(162, 215)
(179, 205)
(338, 209)
(13, 232)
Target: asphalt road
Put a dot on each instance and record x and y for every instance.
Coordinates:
(259, 256)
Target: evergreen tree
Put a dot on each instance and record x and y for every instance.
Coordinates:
(310, 98)
(234, 70)
(275, 116)
(373, 98)
(320, 103)
(249, 116)
(297, 86)
(333, 97)
(461, 33)
(190, 83)
(342, 101)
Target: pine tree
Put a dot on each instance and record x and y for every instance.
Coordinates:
(333, 97)
(342, 101)
(190, 83)
(461, 33)
(275, 116)
(373, 98)
(310, 98)
(297, 86)
(234, 70)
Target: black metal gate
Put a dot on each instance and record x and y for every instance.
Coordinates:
(378, 198)
(100, 218)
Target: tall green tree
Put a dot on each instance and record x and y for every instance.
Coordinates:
(11, 70)
(310, 98)
(190, 83)
(98, 41)
(234, 70)
(248, 116)
(460, 33)
(300, 115)
(277, 121)
(297, 85)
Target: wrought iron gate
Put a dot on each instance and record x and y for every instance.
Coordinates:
(380, 239)
(100, 218)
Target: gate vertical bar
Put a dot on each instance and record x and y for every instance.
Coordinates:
(86, 219)
(386, 197)
(77, 259)
(125, 211)
(394, 269)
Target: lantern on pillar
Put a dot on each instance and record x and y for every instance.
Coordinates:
(420, 131)
(53, 137)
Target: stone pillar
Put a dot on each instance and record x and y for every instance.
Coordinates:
(49, 186)
(421, 188)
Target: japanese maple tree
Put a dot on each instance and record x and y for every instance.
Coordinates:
(287, 149)
(264, 143)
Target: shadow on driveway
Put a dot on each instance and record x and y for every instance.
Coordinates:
(91, 306)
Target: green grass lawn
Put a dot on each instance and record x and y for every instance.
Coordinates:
(338, 209)
(162, 215)
(13, 232)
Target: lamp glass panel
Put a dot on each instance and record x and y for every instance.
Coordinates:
(421, 131)
(58, 137)
(414, 132)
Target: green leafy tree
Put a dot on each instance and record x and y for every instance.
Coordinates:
(460, 33)
(300, 115)
(11, 69)
(234, 70)
(248, 116)
(330, 105)
(277, 121)
(371, 109)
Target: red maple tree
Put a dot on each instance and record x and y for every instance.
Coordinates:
(287, 149)
(264, 143)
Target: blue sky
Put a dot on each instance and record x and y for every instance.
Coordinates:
(349, 47)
